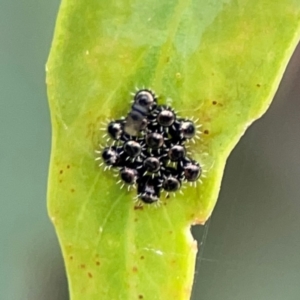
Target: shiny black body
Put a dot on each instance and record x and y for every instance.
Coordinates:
(136, 121)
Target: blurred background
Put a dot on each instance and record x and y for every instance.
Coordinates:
(250, 248)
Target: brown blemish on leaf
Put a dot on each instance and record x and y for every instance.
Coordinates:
(90, 275)
(98, 263)
(136, 219)
(258, 85)
(61, 171)
(72, 190)
(60, 181)
(82, 266)
(170, 232)
(134, 269)
(206, 131)
(68, 166)
(142, 257)
(138, 207)
(141, 297)
(71, 257)
(89, 130)
(214, 102)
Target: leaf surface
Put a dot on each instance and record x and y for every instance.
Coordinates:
(219, 61)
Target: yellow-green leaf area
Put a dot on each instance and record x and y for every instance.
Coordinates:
(219, 61)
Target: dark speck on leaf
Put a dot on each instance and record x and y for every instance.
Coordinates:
(138, 208)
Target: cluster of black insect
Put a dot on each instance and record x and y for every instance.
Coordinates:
(148, 148)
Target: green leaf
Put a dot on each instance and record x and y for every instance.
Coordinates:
(219, 61)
